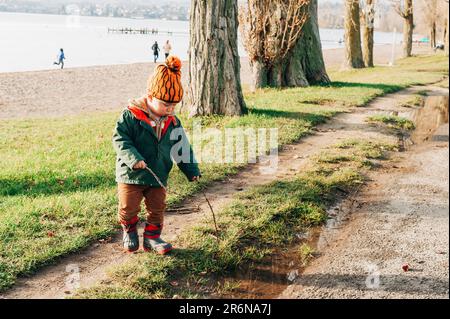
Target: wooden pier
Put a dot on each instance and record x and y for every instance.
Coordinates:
(152, 31)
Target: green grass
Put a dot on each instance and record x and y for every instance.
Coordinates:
(57, 189)
(414, 102)
(257, 222)
(365, 149)
(422, 93)
(392, 121)
(306, 253)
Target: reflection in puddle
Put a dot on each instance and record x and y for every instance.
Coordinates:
(269, 278)
(429, 118)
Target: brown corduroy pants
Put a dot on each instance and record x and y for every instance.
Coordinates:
(130, 198)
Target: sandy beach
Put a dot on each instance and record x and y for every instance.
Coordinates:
(108, 88)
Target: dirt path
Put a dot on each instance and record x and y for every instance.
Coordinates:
(401, 217)
(94, 261)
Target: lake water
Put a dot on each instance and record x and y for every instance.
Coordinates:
(31, 41)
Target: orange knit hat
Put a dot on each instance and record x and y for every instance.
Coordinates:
(165, 84)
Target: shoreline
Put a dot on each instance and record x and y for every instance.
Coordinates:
(85, 90)
(243, 58)
(56, 69)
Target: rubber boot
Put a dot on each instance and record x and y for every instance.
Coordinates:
(153, 241)
(130, 235)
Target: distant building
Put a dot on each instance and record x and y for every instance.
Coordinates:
(159, 11)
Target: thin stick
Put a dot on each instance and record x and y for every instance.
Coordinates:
(204, 194)
(214, 215)
(183, 211)
(184, 208)
(156, 177)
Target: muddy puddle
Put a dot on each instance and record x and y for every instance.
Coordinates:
(269, 278)
(266, 279)
(430, 119)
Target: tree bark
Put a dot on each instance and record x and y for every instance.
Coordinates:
(214, 65)
(368, 23)
(353, 52)
(433, 35)
(260, 78)
(304, 66)
(408, 26)
(446, 35)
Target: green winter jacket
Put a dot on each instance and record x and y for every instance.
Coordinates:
(135, 140)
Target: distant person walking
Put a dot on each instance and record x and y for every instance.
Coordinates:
(61, 58)
(167, 48)
(155, 48)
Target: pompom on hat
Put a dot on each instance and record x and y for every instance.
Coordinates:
(165, 83)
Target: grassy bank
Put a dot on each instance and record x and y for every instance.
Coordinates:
(393, 121)
(57, 189)
(257, 223)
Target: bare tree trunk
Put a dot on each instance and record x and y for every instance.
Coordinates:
(446, 36)
(353, 52)
(408, 26)
(368, 22)
(302, 67)
(276, 75)
(408, 36)
(433, 35)
(214, 65)
(260, 78)
(306, 65)
(407, 13)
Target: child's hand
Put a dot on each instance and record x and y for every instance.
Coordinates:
(140, 165)
(195, 179)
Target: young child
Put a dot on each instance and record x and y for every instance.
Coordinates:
(145, 136)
